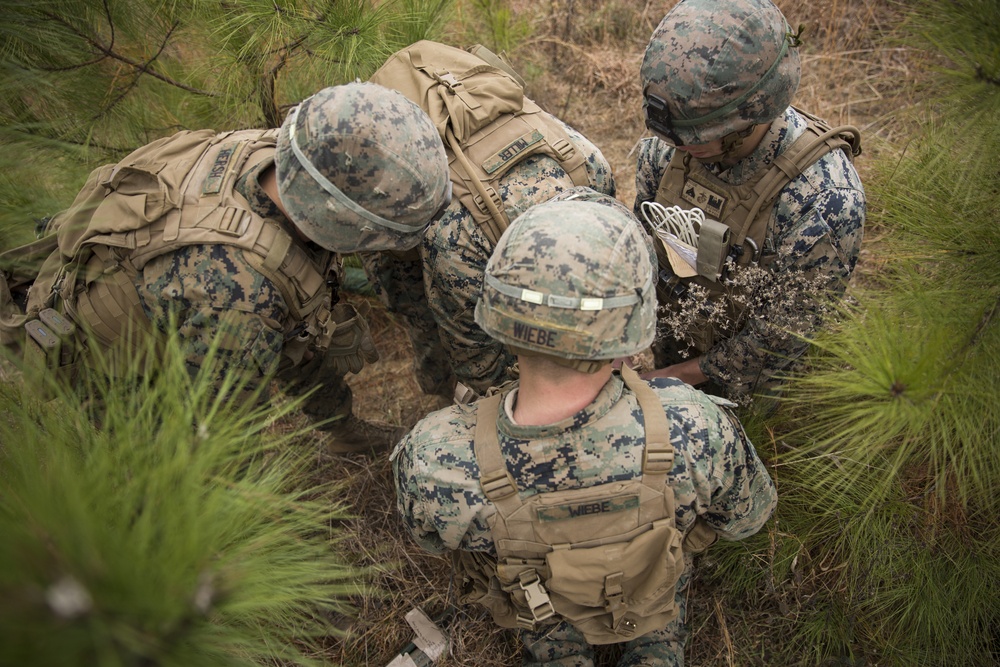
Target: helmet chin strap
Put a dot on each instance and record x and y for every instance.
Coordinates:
(583, 365)
(731, 144)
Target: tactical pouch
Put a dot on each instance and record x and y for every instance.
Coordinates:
(639, 580)
(713, 248)
(41, 346)
(700, 537)
(477, 585)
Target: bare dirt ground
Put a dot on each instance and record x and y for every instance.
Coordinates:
(582, 64)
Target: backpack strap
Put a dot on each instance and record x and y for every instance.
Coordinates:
(494, 478)
(501, 489)
(760, 192)
(818, 140)
(658, 455)
(498, 221)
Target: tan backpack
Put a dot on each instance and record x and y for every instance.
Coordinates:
(488, 126)
(173, 192)
(605, 558)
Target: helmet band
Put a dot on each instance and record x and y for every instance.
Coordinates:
(556, 301)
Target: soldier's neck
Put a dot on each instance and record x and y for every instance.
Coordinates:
(547, 398)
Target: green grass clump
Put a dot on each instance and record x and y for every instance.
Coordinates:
(178, 532)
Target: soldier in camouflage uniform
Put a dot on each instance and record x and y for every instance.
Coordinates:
(436, 290)
(569, 289)
(353, 167)
(718, 78)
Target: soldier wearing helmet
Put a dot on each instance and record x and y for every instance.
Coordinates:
(775, 187)
(627, 477)
(435, 288)
(240, 234)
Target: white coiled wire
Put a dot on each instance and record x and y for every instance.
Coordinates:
(683, 224)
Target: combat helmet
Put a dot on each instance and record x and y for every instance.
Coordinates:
(573, 281)
(360, 167)
(713, 70)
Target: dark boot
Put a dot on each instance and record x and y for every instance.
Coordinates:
(350, 435)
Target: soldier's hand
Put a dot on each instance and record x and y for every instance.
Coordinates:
(351, 345)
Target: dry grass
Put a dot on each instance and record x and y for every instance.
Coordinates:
(582, 64)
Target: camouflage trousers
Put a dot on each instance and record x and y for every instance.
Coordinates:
(564, 646)
(399, 281)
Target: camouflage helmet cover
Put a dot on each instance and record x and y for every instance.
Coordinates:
(360, 167)
(720, 67)
(572, 280)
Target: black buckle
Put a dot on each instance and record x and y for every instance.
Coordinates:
(658, 118)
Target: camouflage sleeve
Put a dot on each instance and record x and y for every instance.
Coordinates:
(598, 169)
(734, 493)
(745, 497)
(455, 253)
(653, 156)
(437, 484)
(815, 258)
(215, 298)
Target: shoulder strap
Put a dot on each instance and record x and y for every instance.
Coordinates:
(658, 456)
(501, 489)
(498, 486)
(818, 140)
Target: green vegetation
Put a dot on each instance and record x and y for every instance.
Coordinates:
(181, 532)
(186, 531)
(889, 474)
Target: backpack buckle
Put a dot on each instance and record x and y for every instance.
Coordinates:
(565, 149)
(657, 461)
(538, 599)
(498, 485)
(494, 197)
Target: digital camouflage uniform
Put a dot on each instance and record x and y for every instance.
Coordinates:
(436, 293)
(817, 226)
(572, 282)
(717, 476)
(212, 287)
(356, 167)
(714, 71)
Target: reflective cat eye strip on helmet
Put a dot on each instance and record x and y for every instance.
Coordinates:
(556, 301)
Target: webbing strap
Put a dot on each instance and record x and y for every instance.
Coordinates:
(815, 142)
(658, 456)
(498, 486)
(498, 221)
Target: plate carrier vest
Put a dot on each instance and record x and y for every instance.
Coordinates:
(488, 126)
(605, 558)
(745, 211)
(175, 192)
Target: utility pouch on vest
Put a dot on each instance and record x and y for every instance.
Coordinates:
(713, 249)
(700, 537)
(41, 346)
(476, 584)
(636, 598)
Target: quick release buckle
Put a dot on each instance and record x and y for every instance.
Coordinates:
(658, 117)
(537, 598)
